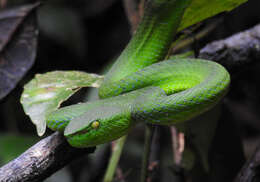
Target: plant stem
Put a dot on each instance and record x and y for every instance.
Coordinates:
(178, 142)
(113, 162)
(204, 32)
(149, 130)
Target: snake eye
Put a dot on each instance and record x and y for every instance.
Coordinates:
(95, 124)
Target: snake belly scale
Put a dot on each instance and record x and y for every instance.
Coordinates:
(140, 87)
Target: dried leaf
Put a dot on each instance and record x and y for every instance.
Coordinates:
(18, 41)
(46, 92)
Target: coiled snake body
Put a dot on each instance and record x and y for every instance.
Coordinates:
(137, 89)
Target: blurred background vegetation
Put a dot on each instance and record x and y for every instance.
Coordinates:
(88, 34)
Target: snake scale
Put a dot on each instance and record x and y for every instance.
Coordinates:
(140, 87)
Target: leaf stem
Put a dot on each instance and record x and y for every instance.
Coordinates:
(201, 34)
(113, 162)
(149, 130)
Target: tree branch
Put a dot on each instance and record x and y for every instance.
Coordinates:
(251, 170)
(41, 160)
(235, 51)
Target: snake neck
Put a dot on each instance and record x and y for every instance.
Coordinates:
(151, 41)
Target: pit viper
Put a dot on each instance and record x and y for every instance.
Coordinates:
(144, 87)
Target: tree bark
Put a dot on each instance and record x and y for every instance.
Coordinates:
(236, 51)
(41, 160)
(250, 171)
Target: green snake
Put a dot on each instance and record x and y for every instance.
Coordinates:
(140, 87)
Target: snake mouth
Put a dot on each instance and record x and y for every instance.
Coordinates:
(80, 132)
(93, 126)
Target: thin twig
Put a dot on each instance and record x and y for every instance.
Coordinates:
(178, 143)
(156, 151)
(201, 34)
(120, 176)
(113, 162)
(149, 130)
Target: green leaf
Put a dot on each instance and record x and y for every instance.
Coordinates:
(12, 146)
(202, 9)
(46, 92)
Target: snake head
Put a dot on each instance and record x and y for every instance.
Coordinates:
(98, 125)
